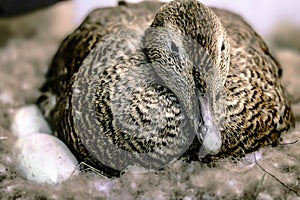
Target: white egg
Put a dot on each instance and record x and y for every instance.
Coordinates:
(43, 158)
(28, 120)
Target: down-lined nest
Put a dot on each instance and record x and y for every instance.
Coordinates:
(27, 46)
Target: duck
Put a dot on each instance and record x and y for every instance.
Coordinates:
(148, 83)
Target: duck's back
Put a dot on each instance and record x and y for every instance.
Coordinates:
(100, 27)
(258, 109)
(93, 30)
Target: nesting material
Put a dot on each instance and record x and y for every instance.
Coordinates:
(180, 180)
(44, 159)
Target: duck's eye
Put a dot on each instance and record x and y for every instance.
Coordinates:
(223, 47)
(174, 48)
(122, 3)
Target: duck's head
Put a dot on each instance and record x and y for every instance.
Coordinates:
(189, 51)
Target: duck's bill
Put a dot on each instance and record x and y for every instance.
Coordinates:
(209, 131)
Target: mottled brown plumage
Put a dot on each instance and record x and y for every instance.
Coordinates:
(257, 106)
(146, 80)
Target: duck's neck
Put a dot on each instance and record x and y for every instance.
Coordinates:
(177, 24)
(173, 69)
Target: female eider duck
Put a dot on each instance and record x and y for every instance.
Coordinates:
(144, 84)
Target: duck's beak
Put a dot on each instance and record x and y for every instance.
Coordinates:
(208, 133)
